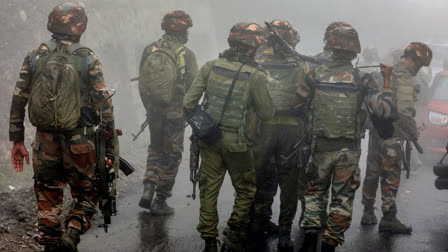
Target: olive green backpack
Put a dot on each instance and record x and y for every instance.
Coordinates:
(55, 99)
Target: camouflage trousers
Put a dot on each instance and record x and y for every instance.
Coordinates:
(164, 154)
(216, 160)
(58, 160)
(273, 141)
(384, 165)
(339, 171)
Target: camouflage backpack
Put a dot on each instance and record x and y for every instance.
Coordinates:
(55, 100)
(164, 69)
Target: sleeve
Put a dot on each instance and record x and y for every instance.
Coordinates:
(191, 68)
(380, 102)
(197, 88)
(20, 98)
(96, 82)
(261, 97)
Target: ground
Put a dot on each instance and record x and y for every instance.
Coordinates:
(134, 229)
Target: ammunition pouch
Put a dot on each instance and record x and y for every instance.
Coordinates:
(203, 125)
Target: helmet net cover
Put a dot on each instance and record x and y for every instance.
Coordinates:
(286, 31)
(420, 52)
(247, 34)
(67, 19)
(177, 21)
(344, 38)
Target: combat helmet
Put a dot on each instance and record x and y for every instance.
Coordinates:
(176, 21)
(343, 38)
(333, 26)
(419, 52)
(286, 31)
(67, 19)
(246, 34)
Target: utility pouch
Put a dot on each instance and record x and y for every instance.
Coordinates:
(203, 125)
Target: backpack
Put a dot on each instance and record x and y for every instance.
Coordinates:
(163, 71)
(55, 99)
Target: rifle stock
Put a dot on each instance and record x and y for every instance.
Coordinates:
(285, 46)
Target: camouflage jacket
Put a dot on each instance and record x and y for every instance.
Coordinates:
(187, 69)
(299, 72)
(259, 105)
(380, 102)
(94, 79)
(405, 93)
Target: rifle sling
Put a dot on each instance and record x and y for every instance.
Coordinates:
(229, 94)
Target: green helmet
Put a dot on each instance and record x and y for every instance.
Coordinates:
(419, 52)
(344, 38)
(177, 21)
(286, 31)
(67, 19)
(333, 26)
(247, 34)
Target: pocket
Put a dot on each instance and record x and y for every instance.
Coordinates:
(82, 148)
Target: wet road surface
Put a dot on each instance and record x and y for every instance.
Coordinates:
(134, 229)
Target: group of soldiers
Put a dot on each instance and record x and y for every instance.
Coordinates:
(285, 120)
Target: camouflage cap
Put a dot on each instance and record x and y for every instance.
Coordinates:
(67, 19)
(343, 38)
(177, 21)
(286, 31)
(333, 26)
(419, 52)
(249, 34)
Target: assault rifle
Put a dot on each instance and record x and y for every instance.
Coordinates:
(144, 125)
(194, 164)
(405, 144)
(106, 178)
(287, 48)
(303, 147)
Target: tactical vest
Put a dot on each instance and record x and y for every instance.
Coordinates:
(336, 110)
(281, 84)
(218, 86)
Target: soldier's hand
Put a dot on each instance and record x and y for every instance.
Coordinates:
(386, 72)
(18, 153)
(109, 163)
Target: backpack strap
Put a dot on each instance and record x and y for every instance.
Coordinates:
(75, 47)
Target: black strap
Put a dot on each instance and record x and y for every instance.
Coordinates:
(229, 95)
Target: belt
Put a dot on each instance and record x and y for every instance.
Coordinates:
(72, 132)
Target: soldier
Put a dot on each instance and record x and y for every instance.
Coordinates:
(167, 70)
(278, 136)
(62, 83)
(386, 161)
(232, 151)
(333, 95)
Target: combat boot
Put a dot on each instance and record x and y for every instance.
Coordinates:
(211, 245)
(310, 242)
(391, 224)
(69, 241)
(233, 241)
(285, 244)
(159, 207)
(369, 218)
(328, 246)
(271, 228)
(148, 194)
(51, 248)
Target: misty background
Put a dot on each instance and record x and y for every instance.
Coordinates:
(118, 30)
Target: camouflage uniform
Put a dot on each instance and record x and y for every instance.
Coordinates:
(335, 143)
(167, 123)
(62, 158)
(385, 155)
(278, 136)
(232, 152)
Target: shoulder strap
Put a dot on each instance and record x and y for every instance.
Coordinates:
(229, 94)
(51, 44)
(75, 47)
(334, 72)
